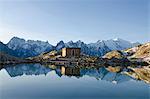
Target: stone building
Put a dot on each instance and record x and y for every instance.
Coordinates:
(71, 52)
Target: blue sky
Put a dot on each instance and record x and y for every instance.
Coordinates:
(86, 20)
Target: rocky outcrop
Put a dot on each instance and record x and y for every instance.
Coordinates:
(131, 51)
(138, 54)
(120, 58)
(143, 52)
(114, 54)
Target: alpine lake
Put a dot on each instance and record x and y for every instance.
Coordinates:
(36, 81)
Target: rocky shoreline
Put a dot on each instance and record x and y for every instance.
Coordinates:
(137, 70)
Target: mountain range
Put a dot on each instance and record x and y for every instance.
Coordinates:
(28, 48)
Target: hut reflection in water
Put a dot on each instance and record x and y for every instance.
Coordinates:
(70, 71)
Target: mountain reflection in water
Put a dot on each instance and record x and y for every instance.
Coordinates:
(36, 81)
(38, 69)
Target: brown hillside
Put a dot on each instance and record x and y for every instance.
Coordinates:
(143, 51)
(114, 54)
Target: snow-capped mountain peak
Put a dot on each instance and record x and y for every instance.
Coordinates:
(28, 48)
(15, 42)
(117, 39)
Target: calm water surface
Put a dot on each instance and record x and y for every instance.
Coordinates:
(35, 81)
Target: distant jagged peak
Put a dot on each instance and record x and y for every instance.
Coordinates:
(112, 40)
(15, 42)
(75, 42)
(122, 40)
(79, 41)
(99, 41)
(60, 45)
(70, 42)
(17, 39)
(60, 42)
(26, 48)
(23, 41)
(37, 41)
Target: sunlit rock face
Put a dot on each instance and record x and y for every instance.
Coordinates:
(114, 54)
(139, 53)
(143, 52)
